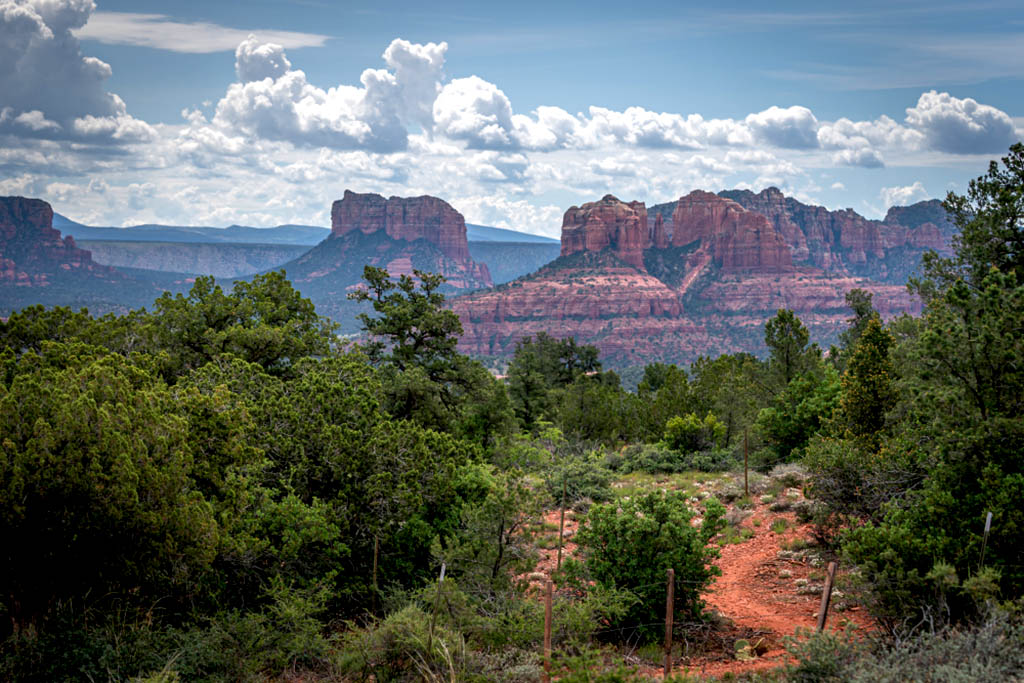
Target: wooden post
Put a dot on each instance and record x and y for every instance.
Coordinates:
(746, 486)
(984, 541)
(561, 528)
(376, 554)
(437, 604)
(670, 603)
(547, 632)
(826, 596)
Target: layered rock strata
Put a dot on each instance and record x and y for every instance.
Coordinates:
(33, 253)
(403, 218)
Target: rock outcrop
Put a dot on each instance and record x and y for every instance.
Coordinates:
(403, 218)
(33, 253)
(710, 272)
(739, 239)
(844, 242)
(400, 234)
(607, 224)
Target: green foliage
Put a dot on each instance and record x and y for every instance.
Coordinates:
(413, 325)
(591, 410)
(265, 321)
(541, 364)
(990, 651)
(491, 547)
(689, 434)
(733, 387)
(789, 355)
(859, 300)
(797, 413)
(990, 218)
(869, 387)
(629, 545)
(962, 423)
(96, 474)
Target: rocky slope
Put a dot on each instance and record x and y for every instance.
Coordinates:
(40, 266)
(710, 273)
(398, 234)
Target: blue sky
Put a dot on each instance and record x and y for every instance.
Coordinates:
(127, 112)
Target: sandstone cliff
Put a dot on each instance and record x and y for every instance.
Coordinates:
(398, 234)
(33, 253)
(607, 224)
(403, 218)
(844, 242)
(711, 273)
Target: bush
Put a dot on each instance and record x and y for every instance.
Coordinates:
(660, 459)
(689, 433)
(401, 648)
(629, 545)
(584, 477)
(992, 650)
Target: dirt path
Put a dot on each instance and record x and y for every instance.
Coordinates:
(764, 597)
(771, 594)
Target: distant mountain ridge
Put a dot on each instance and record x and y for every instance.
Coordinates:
(235, 234)
(483, 233)
(309, 235)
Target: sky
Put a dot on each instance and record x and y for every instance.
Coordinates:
(264, 112)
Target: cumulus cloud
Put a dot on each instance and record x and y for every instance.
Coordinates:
(863, 157)
(794, 127)
(903, 196)
(255, 60)
(50, 87)
(275, 102)
(476, 111)
(961, 126)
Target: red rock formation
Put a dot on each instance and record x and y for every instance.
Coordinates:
(741, 239)
(609, 223)
(659, 237)
(32, 252)
(713, 299)
(403, 218)
(846, 242)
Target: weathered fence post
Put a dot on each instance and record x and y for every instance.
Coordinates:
(670, 604)
(826, 596)
(547, 632)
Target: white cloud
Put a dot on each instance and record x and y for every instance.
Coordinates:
(160, 32)
(255, 60)
(49, 86)
(961, 126)
(283, 105)
(864, 157)
(837, 186)
(478, 112)
(903, 196)
(794, 127)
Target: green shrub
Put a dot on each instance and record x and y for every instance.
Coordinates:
(629, 545)
(401, 648)
(689, 433)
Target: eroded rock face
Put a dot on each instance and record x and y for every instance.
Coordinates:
(608, 223)
(32, 252)
(403, 218)
(740, 239)
(845, 242)
(714, 273)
